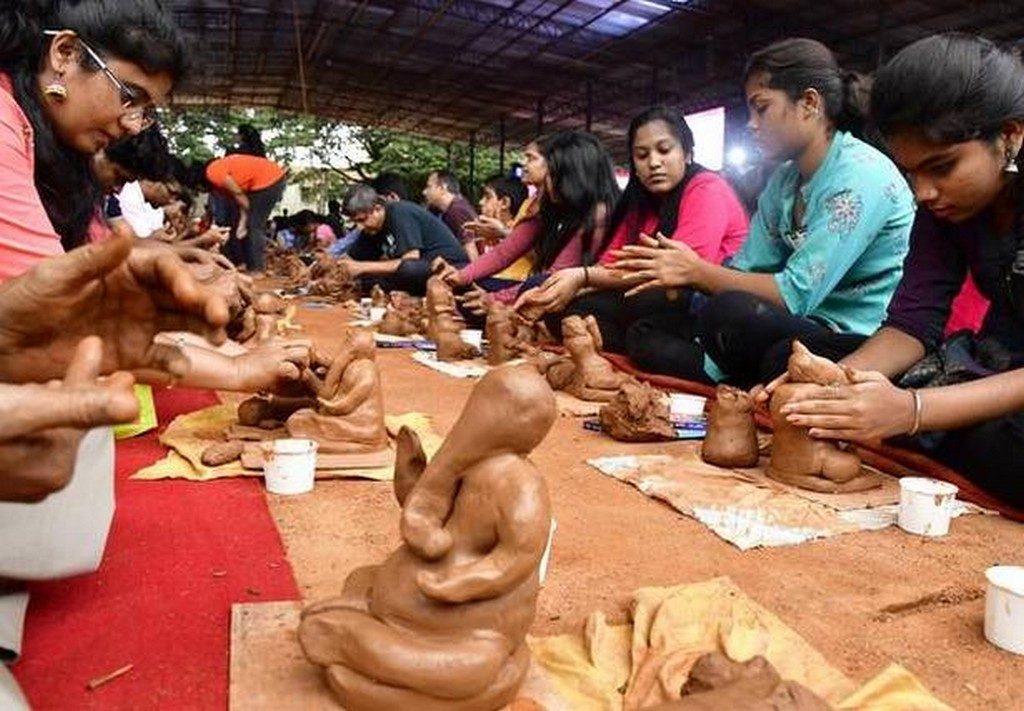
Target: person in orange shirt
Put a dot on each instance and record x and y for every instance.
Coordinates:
(256, 185)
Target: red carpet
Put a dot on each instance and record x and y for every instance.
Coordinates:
(178, 556)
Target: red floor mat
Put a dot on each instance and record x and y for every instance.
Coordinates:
(178, 556)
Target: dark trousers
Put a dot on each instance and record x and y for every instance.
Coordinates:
(990, 455)
(751, 339)
(410, 277)
(261, 204)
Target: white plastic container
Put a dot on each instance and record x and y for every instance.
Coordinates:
(682, 406)
(472, 336)
(926, 505)
(377, 313)
(1004, 607)
(545, 559)
(289, 465)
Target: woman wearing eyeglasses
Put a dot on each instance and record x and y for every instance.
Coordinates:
(74, 77)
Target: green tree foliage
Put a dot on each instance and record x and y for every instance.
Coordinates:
(325, 156)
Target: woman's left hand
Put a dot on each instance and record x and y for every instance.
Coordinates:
(659, 262)
(557, 291)
(871, 408)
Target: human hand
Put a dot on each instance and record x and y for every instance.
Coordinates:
(658, 263)
(476, 300)
(490, 229)
(449, 274)
(871, 408)
(557, 291)
(273, 365)
(41, 425)
(761, 394)
(242, 230)
(124, 295)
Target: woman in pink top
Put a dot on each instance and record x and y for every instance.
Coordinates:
(570, 225)
(668, 197)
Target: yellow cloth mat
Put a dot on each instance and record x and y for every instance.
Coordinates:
(188, 435)
(146, 420)
(626, 667)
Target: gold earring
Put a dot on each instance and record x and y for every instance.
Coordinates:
(1011, 160)
(56, 90)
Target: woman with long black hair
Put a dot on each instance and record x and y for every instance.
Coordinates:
(668, 196)
(577, 199)
(951, 110)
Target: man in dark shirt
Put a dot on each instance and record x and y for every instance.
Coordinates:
(444, 197)
(410, 238)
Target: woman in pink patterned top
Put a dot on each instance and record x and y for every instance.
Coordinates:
(670, 198)
(570, 225)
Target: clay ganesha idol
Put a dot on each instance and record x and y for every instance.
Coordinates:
(731, 439)
(799, 460)
(442, 622)
(594, 378)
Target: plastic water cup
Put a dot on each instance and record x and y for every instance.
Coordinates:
(289, 466)
(682, 406)
(926, 505)
(472, 336)
(546, 558)
(377, 313)
(1004, 607)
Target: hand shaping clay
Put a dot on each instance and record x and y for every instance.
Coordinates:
(638, 413)
(594, 378)
(731, 439)
(349, 415)
(718, 683)
(508, 335)
(799, 460)
(332, 278)
(442, 623)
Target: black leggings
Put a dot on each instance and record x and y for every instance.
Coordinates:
(989, 454)
(615, 313)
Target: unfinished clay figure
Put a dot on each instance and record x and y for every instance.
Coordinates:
(404, 316)
(638, 413)
(799, 460)
(349, 416)
(593, 378)
(508, 336)
(378, 297)
(716, 683)
(442, 623)
(440, 299)
(731, 439)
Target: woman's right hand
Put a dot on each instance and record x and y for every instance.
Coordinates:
(449, 274)
(557, 292)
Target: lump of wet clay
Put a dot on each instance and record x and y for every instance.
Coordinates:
(731, 439)
(267, 303)
(442, 622)
(404, 316)
(717, 683)
(254, 411)
(593, 378)
(638, 413)
(799, 460)
(221, 453)
(349, 412)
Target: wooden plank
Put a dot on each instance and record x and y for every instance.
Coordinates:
(268, 670)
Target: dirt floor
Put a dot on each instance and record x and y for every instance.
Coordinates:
(864, 600)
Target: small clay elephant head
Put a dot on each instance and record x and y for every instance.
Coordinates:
(805, 367)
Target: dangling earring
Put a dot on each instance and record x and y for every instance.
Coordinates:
(56, 90)
(1011, 160)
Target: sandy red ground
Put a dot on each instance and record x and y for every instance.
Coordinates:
(612, 540)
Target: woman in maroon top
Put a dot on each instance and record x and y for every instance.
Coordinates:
(951, 108)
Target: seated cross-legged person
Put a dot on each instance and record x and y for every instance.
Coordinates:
(668, 195)
(410, 239)
(951, 110)
(826, 246)
(569, 225)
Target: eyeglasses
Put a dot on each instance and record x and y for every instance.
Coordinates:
(137, 112)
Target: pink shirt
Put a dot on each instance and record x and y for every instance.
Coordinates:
(26, 234)
(711, 220)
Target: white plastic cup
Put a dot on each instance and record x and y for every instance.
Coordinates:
(364, 306)
(926, 505)
(377, 313)
(682, 406)
(289, 466)
(545, 559)
(472, 336)
(1004, 607)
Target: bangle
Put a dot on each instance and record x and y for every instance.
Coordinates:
(918, 411)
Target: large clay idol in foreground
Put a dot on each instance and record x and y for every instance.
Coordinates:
(442, 622)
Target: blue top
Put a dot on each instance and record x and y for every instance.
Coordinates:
(842, 265)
